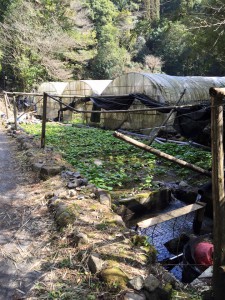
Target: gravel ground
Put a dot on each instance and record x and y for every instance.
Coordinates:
(23, 237)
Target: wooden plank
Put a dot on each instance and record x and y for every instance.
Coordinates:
(171, 215)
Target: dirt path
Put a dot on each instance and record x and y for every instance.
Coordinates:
(23, 224)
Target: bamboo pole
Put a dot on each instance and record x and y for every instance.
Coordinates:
(41, 94)
(217, 96)
(161, 154)
(121, 111)
(156, 131)
(44, 118)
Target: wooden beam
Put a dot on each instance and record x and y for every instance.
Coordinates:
(171, 215)
(217, 97)
(161, 154)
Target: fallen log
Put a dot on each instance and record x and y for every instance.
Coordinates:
(161, 154)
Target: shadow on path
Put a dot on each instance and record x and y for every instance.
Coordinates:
(20, 265)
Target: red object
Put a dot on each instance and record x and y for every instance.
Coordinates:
(203, 255)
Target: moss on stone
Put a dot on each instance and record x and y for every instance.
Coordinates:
(142, 242)
(114, 277)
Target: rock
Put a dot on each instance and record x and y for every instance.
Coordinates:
(71, 185)
(164, 293)
(49, 195)
(119, 221)
(95, 264)
(137, 283)
(27, 146)
(114, 277)
(76, 183)
(21, 137)
(59, 207)
(64, 219)
(50, 170)
(151, 283)
(91, 187)
(72, 193)
(92, 195)
(51, 203)
(134, 296)
(167, 277)
(80, 239)
(63, 215)
(183, 184)
(36, 167)
(63, 195)
(98, 162)
(151, 295)
(29, 153)
(152, 201)
(103, 197)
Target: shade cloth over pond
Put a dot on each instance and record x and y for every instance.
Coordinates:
(189, 121)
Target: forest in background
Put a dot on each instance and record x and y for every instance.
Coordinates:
(60, 40)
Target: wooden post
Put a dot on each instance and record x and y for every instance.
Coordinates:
(6, 105)
(44, 117)
(15, 111)
(217, 96)
(60, 116)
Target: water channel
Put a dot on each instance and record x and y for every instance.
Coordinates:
(160, 234)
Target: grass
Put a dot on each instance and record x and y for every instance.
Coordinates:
(110, 163)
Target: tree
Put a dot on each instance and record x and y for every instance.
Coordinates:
(112, 33)
(4, 4)
(152, 9)
(208, 26)
(37, 39)
(154, 63)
